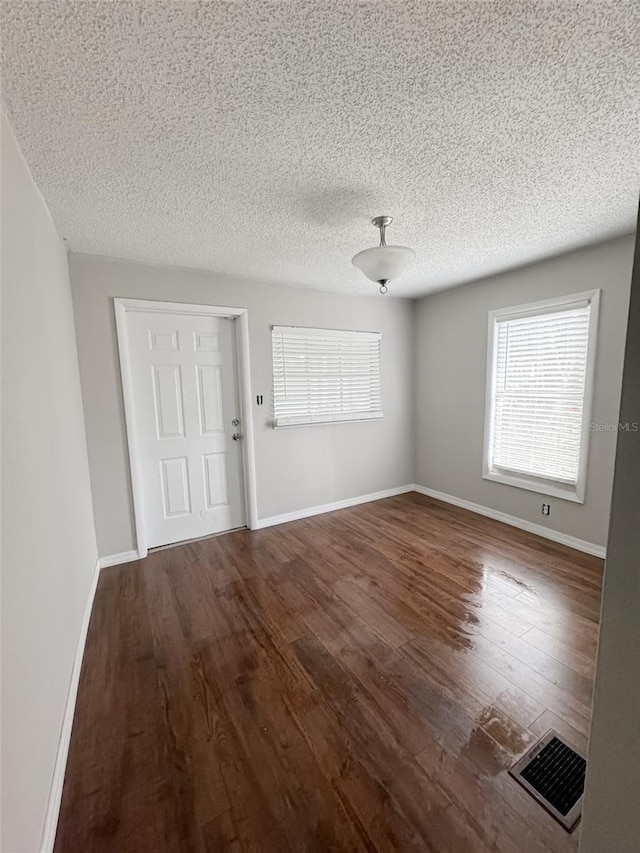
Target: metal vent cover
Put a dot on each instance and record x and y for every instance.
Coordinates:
(553, 772)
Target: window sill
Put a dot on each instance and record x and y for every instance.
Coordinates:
(550, 488)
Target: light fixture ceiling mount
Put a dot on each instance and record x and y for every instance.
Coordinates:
(382, 263)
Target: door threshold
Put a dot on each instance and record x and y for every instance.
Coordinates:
(197, 539)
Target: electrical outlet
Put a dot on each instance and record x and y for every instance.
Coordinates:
(546, 509)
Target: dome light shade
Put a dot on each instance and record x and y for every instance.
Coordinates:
(383, 263)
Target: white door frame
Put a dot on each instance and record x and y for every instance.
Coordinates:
(123, 307)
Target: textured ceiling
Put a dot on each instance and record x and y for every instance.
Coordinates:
(258, 139)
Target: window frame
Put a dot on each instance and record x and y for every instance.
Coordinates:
(318, 331)
(554, 488)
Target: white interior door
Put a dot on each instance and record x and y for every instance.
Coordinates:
(183, 373)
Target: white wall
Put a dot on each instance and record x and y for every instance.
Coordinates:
(48, 541)
(612, 801)
(297, 467)
(451, 349)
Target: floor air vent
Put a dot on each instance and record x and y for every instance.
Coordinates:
(553, 773)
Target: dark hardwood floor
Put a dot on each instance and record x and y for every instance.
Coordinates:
(360, 680)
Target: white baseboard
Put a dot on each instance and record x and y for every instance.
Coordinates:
(322, 508)
(117, 559)
(55, 794)
(529, 526)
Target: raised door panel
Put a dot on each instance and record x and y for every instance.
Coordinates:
(163, 340)
(167, 392)
(175, 487)
(215, 479)
(210, 405)
(206, 341)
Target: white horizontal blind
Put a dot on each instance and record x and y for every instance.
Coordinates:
(539, 393)
(324, 375)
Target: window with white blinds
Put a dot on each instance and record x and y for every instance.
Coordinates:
(325, 375)
(540, 378)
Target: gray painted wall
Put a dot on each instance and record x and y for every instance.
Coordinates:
(297, 467)
(451, 351)
(612, 801)
(48, 543)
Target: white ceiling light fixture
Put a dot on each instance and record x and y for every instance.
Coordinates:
(382, 263)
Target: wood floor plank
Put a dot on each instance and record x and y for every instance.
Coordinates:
(190, 725)
(125, 793)
(426, 806)
(360, 681)
(548, 720)
(293, 783)
(490, 701)
(562, 652)
(364, 795)
(477, 776)
(221, 834)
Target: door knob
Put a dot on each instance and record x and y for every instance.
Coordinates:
(235, 422)
(236, 436)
